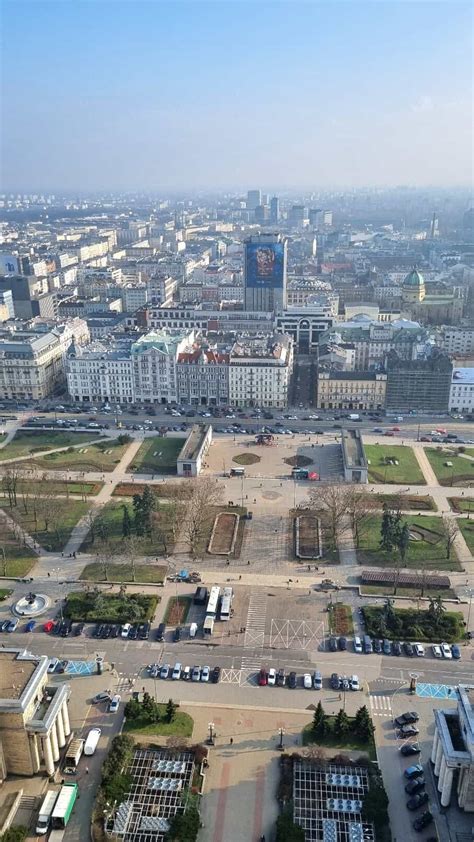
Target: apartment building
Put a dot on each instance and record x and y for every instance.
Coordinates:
(358, 390)
(373, 340)
(260, 371)
(203, 377)
(33, 360)
(154, 366)
(461, 395)
(100, 373)
(456, 341)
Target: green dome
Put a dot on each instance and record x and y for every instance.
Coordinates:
(414, 279)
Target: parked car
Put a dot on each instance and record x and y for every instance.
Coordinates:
(215, 674)
(422, 821)
(417, 800)
(415, 771)
(281, 677)
(48, 626)
(30, 626)
(317, 680)
(165, 671)
(456, 652)
(354, 682)
(292, 680)
(205, 673)
(101, 697)
(186, 674)
(436, 650)
(419, 650)
(396, 647)
(272, 677)
(133, 633)
(409, 749)
(177, 634)
(387, 647)
(408, 649)
(307, 681)
(446, 650)
(12, 625)
(409, 731)
(343, 644)
(125, 630)
(176, 672)
(114, 704)
(407, 718)
(416, 785)
(334, 681)
(196, 674)
(52, 664)
(333, 644)
(79, 629)
(378, 645)
(262, 678)
(357, 645)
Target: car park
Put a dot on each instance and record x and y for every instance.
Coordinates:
(307, 681)
(410, 749)
(292, 680)
(262, 678)
(165, 671)
(176, 672)
(415, 771)
(205, 673)
(409, 731)
(272, 676)
(317, 680)
(407, 718)
(215, 674)
(446, 650)
(357, 645)
(114, 704)
(456, 652)
(417, 800)
(415, 785)
(436, 650)
(196, 674)
(423, 821)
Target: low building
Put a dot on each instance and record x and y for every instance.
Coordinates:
(191, 457)
(353, 457)
(453, 751)
(34, 716)
(359, 390)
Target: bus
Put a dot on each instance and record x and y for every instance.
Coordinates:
(63, 807)
(226, 605)
(213, 602)
(44, 817)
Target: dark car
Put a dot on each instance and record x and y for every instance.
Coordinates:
(456, 652)
(423, 821)
(97, 630)
(335, 681)
(292, 680)
(333, 644)
(160, 632)
(107, 632)
(144, 631)
(410, 749)
(409, 731)
(57, 627)
(407, 718)
(133, 633)
(343, 643)
(281, 678)
(115, 631)
(414, 771)
(79, 629)
(263, 678)
(377, 644)
(408, 649)
(396, 647)
(415, 785)
(418, 800)
(215, 674)
(387, 647)
(177, 634)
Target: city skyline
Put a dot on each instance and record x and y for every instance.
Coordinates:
(121, 96)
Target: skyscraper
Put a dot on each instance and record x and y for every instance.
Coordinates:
(262, 214)
(275, 210)
(265, 272)
(254, 198)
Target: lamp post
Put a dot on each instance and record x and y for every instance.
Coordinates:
(280, 744)
(471, 591)
(57, 570)
(211, 734)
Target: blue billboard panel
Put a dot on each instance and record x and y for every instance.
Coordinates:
(265, 265)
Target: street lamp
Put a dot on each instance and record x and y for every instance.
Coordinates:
(57, 571)
(280, 744)
(471, 591)
(211, 734)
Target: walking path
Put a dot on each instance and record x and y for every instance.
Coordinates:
(426, 469)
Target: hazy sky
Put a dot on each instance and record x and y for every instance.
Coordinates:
(147, 94)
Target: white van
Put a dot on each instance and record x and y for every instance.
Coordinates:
(93, 738)
(45, 812)
(193, 629)
(357, 645)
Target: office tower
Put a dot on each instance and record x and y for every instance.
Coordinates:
(262, 214)
(265, 272)
(297, 215)
(327, 217)
(315, 217)
(275, 210)
(254, 199)
(264, 198)
(434, 227)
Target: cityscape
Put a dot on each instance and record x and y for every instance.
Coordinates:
(236, 422)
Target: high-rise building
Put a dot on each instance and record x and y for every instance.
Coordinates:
(315, 217)
(254, 198)
(275, 210)
(297, 215)
(262, 214)
(265, 272)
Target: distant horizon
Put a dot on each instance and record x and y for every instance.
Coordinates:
(95, 192)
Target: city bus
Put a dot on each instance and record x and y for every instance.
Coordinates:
(64, 805)
(226, 605)
(213, 602)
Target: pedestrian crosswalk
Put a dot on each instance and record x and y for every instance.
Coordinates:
(256, 618)
(251, 662)
(380, 705)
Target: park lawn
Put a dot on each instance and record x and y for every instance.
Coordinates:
(99, 607)
(157, 455)
(51, 486)
(4, 593)
(461, 472)
(102, 456)
(64, 516)
(18, 559)
(25, 442)
(177, 610)
(350, 742)
(462, 504)
(407, 470)
(420, 553)
(181, 726)
(413, 624)
(111, 515)
(467, 528)
(2, 437)
(407, 502)
(153, 574)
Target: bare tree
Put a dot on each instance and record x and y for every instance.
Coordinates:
(450, 531)
(333, 502)
(10, 484)
(106, 556)
(360, 508)
(206, 493)
(132, 552)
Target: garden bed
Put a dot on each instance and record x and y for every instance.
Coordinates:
(98, 607)
(166, 490)
(462, 505)
(224, 534)
(413, 624)
(406, 502)
(308, 543)
(349, 743)
(246, 458)
(340, 618)
(298, 461)
(177, 610)
(202, 543)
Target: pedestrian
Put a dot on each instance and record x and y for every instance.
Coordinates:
(87, 770)
(49, 575)
(62, 555)
(232, 741)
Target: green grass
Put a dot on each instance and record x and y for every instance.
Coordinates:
(181, 726)
(387, 590)
(2, 437)
(4, 593)
(98, 607)
(431, 556)
(462, 471)
(146, 573)
(51, 529)
(467, 528)
(407, 502)
(18, 559)
(407, 469)
(103, 456)
(111, 515)
(246, 458)
(413, 624)
(462, 504)
(25, 443)
(164, 462)
(177, 610)
(349, 743)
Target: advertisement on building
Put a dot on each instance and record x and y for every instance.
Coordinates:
(265, 265)
(463, 376)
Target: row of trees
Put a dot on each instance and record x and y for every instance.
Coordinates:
(324, 725)
(147, 710)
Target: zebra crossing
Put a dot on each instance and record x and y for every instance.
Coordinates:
(256, 618)
(380, 706)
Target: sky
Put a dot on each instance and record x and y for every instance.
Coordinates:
(117, 95)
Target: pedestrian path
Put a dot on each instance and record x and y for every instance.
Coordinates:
(380, 705)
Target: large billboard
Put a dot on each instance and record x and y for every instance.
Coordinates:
(463, 376)
(264, 265)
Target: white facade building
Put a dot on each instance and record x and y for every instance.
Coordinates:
(461, 396)
(458, 340)
(260, 371)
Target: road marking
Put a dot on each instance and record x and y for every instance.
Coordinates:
(230, 676)
(380, 705)
(255, 625)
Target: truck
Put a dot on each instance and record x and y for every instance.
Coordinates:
(74, 753)
(354, 416)
(44, 817)
(64, 806)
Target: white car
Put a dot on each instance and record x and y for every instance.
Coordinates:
(125, 630)
(176, 672)
(446, 650)
(196, 674)
(307, 681)
(205, 673)
(114, 704)
(272, 677)
(357, 645)
(317, 680)
(354, 682)
(419, 650)
(436, 650)
(52, 664)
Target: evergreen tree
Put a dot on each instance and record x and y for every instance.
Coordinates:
(342, 724)
(404, 541)
(143, 506)
(171, 708)
(148, 706)
(126, 522)
(386, 529)
(319, 726)
(363, 725)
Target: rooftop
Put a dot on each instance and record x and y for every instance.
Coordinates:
(193, 443)
(15, 673)
(353, 453)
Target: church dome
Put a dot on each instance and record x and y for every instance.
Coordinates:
(414, 279)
